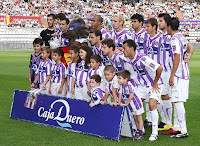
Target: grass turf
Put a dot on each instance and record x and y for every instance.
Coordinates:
(14, 75)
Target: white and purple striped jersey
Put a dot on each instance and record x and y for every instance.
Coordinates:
(140, 39)
(179, 46)
(118, 61)
(58, 72)
(70, 71)
(112, 84)
(105, 34)
(136, 102)
(81, 74)
(166, 52)
(98, 51)
(153, 47)
(44, 70)
(96, 95)
(98, 71)
(120, 37)
(63, 41)
(145, 68)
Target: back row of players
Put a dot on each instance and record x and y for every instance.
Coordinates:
(156, 66)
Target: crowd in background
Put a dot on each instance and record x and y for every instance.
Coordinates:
(189, 11)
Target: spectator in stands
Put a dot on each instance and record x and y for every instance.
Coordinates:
(47, 33)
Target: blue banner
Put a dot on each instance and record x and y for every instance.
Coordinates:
(73, 115)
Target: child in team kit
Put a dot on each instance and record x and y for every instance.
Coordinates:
(44, 71)
(58, 74)
(74, 56)
(96, 92)
(35, 60)
(127, 97)
(79, 81)
(96, 68)
(112, 85)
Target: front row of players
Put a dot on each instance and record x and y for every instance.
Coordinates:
(142, 83)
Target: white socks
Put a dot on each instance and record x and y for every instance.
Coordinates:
(180, 109)
(148, 116)
(154, 117)
(160, 108)
(167, 108)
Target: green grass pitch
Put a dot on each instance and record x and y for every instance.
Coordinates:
(14, 75)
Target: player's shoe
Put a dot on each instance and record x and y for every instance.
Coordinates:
(180, 135)
(138, 136)
(163, 126)
(153, 137)
(170, 131)
(147, 123)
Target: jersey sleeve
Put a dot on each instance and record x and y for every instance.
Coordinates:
(150, 64)
(115, 83)
(120, 90)
(176, 48)
(48, 70)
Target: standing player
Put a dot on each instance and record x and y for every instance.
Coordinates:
(166, 62)
(63, 28)
(127, 97)
(44, 70)
(95, 40)
(74, 56)
(119, 35)
(35, 60)
(148, 74)
(97, 24)
(179, 78)
(140, 35)
(58, 74)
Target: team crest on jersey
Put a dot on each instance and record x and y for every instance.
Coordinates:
(156, 43)
(174, 48)
(141, 39)
(118, 63)
(168, 39)
(152, 65)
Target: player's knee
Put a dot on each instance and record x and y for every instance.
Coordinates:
(152, 104)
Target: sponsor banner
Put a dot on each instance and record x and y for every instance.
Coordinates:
(73, 115)
(3, 19)
(25, 18)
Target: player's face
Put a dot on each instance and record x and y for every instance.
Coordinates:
(73, 55)
(93, 83)
(105, 49)
(161, 23)
(126, 50)
(94, 64)
(109, 75)
(37, 48)
(121, 80)
(116, 23)
(149, 28)
(82, 54)
(45, 55)
(136, 24)
(56, 57)
(63, 25)
(95, 23)
(50, 21)
(93, 38)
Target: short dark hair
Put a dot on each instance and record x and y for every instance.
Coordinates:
(109, 43)
(174, 23)
(97, 58)
(166, 16)
(66, 20)
(59, 52)
(75, 46)
(125, 74)
(96, 32)
(139, 17)
(100, 19)
(96, 77)
(38, 41)
(130, 43)
(109, 68)
(153, 22)
(60, 16)
(52, 15)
